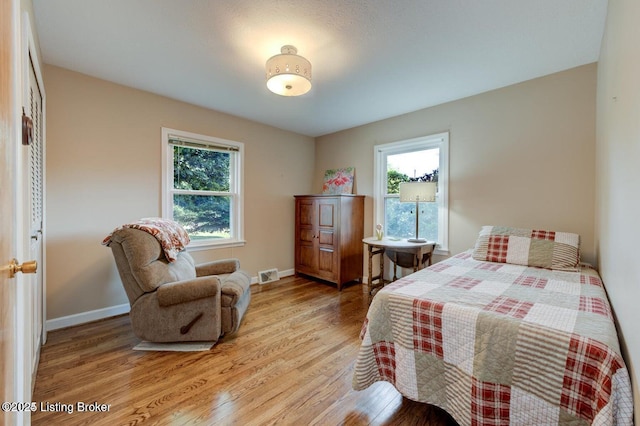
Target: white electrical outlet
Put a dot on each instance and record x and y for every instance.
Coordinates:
(268, 276)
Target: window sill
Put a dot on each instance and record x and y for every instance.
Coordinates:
(207, 245)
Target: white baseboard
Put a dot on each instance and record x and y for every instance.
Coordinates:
(84, 317)
(98, 314)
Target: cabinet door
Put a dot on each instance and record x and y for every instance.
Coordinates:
(306, 258)
(327, 234)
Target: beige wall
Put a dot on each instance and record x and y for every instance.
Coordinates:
(618, 175)
(520, 156)
(103, 170)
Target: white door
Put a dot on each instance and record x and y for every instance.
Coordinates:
(9, 146)
(33, 169)
(17, 315)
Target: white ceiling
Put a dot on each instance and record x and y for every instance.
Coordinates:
(371, 59)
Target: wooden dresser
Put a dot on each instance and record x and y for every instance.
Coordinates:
(329, 232)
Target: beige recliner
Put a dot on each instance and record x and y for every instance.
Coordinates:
(178, 301)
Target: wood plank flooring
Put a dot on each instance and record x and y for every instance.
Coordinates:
(290, 363)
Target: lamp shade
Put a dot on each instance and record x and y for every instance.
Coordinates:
(417, 192)
(287, 73)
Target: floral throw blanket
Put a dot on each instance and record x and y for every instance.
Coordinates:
(499, 344)
(171, 235)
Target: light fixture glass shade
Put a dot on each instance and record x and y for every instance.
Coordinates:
(287, 73)
(417, 192)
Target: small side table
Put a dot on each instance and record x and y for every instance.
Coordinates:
(400, 252)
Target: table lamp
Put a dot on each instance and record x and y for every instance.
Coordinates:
(418, 192)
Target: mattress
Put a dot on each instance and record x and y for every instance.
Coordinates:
(498, 343)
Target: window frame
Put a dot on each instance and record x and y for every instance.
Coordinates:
(380, 154)
(236, 184)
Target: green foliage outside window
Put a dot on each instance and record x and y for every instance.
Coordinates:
(201, 172)
(394, 179)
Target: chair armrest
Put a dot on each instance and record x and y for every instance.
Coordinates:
(216, 267)
(234, 287)
(188, 290)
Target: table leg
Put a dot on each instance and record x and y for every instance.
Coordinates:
(382, 267)
(425, 258)
(377, 281)
(429, 257)
(370, 280)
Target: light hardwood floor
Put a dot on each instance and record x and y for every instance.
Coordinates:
(290, 363)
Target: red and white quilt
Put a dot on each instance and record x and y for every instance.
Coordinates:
(498, 344)
(170, 234)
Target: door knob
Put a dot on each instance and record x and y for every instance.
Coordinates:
(28, 267)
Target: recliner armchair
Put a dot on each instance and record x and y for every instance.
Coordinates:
(178, 301)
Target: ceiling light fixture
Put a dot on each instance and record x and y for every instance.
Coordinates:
(288, 74)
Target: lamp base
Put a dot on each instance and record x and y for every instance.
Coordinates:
(417, 240)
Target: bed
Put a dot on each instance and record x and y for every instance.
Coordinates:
(515, 331)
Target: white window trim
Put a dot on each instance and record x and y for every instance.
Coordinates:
(237, 218)
(380, 152)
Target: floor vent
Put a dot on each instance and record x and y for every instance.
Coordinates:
(268, 276)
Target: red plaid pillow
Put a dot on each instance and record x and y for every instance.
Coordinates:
(527, 247)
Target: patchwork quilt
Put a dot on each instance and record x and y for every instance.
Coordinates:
(171, 235)
(499, 344)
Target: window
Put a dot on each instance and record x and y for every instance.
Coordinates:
(399, 162)
(202, 187)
